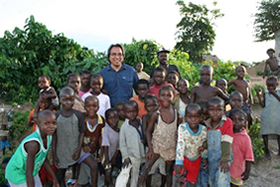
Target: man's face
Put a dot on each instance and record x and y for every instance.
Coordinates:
(116, 57)
(163, 58)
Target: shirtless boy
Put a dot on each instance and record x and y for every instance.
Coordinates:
(200, 94)
(272, 63)
(243, 86)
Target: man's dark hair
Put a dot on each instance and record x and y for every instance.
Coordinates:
(114, 45)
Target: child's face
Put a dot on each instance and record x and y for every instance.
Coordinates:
(236, 101)
(96, 85)
(205, 76)
(222, 84)
(238, 122)
(142, 90)
(43, 83)
(271, 85)
(74, 83)
(240, 72)
(215, 111)
(166, 97)
(131, 112)
(182, 87)
(112, 119)
(44, 104)
(151, 105)
(120, 111)
(173, 79)
(67, 101)
(91, 107)
(193, 117)
(270, 54)
(159, 77)
(85, 80)
(47, 124)
(139, 67)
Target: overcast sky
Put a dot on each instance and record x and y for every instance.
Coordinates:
(96, 24)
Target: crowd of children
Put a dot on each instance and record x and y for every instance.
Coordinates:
(196, 138)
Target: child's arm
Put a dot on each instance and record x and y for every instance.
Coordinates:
(274, 93)
(50, 171)
(221, 94)
(114, 158)
(246, 173)
(55, 158)
(77, 153)
(106, 152)
(265, 69)
(32, 149)
(193, 94)
(150, 130)
(180, 150)
(231, 82)
(251, 99)
(123, 147)
(101, 149)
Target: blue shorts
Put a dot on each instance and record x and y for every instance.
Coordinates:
(5, 144)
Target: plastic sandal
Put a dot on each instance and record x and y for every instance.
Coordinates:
(69, 181)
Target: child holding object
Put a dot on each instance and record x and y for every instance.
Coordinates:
(192, 137)
(131, 145)
(31, 155)
(270, 118)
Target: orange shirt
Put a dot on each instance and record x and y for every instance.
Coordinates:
(141, 106)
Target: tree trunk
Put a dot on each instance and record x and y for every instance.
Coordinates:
(277, 45)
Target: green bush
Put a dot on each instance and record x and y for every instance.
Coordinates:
(257, 142)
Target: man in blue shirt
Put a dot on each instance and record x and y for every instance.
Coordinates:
(119, 78)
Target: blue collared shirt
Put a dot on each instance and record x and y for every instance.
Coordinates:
(119, 84)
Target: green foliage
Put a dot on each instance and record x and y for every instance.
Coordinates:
(142, 51)
(257, 142)
(254, 90)
(26, 54)
(18, 127)
(196, 34)
(267, 20)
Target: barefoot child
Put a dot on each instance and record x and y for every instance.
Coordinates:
(131, 144)
(192, 137)
(182, 99)
(242, 150)
(110, 144)
(161, 135)
(31, 154)
(272, 62)
(92, 142)
(68, 138)
(219, 141)
(142, 88)
(85, 86)
(96, 83)
(243, 86)
(270, 117)
(151, 105)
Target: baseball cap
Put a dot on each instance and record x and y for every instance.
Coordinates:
(163, 50)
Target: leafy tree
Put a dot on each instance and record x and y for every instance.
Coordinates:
(267, 23)
(142, 51)
(196, 35)
(27, 54)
